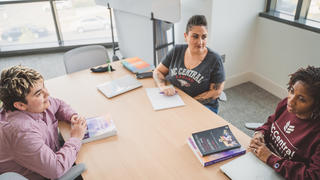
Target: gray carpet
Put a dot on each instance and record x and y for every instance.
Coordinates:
(247, 102)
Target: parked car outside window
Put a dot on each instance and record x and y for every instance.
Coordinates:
(91, 24)
(15, 33)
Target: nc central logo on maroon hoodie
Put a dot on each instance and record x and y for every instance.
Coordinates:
(280, 142)
(288, 128)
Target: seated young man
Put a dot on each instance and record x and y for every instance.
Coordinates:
(29, 127)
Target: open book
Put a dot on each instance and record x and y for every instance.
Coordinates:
(98, 128)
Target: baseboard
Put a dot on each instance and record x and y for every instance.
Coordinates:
(237, 79)
(268, 85)
(259, 80)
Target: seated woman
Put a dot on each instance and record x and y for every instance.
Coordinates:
(29, 127)
(193, 68)
(289, 141)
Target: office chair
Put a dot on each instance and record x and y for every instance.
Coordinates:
(252, 126)
(85, 57)
(74, 172)
(223, 96)
(12, 176)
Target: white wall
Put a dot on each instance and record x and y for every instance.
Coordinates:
(233, 34)
(135, 35)
(281, 49)
(188, 9)
(135, 31)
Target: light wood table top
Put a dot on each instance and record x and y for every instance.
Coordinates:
(150, 144)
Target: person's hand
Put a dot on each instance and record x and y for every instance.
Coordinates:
(78, 127)
(259, 136)
(259, 149)
(168, 90)
(75, 118)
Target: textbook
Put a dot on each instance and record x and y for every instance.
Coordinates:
(214, 158)
(137, 65)
(98, 128)
(215, 140)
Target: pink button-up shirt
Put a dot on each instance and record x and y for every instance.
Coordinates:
(29, 142)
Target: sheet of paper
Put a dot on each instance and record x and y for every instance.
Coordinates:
(249, 167)
(161, 101)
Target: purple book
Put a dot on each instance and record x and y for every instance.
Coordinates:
(216, 157)
(98, 128)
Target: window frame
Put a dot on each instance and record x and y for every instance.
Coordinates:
(298, 20)
(61, 47)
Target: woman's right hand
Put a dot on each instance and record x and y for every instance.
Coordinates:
(168, 90)
(259, 136)
(78, 128)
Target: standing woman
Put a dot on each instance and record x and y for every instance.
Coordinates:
(193, 67)
(289, 141)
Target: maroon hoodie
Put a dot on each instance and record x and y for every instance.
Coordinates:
(295, 141)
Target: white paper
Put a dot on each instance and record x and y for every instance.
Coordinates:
(249, 167)
(161, 101)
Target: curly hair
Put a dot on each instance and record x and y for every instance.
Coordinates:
(196, 20)
(15, 84)
(311, 77)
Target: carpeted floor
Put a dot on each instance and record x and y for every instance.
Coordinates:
(247, 103)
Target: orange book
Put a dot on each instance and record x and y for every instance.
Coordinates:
(137, 65)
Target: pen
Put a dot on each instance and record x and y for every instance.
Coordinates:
(163, 92)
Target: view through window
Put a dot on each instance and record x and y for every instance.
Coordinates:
(26, 25)
(84, 22)
(314, 10)
(287, 6)
(31, 25)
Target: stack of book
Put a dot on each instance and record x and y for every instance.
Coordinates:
(214, 145)
(137, 65)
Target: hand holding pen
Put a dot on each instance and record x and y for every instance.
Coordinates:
(168, 90)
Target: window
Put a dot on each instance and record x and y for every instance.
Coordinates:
(20, 30)
(300, 13)
(287, 6)
(34, 24)
(314, 10)
(84, 23)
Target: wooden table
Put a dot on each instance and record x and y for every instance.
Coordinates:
(150, 144)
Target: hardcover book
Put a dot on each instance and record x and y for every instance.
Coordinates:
(137, 65)
(98, 128)
(214, 158)
(215, 140)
